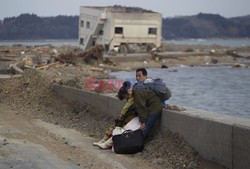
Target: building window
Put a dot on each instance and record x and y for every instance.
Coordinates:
(82, 23)
(152, 31)
(101, 32)
(88, 25)
(118, 30)
(81, 41)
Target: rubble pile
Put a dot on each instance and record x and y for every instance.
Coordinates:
(32, 95)
(171, 151)
(93, 54)
(45, 57)
(174, 108)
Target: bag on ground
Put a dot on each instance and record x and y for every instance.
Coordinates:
(129, 142)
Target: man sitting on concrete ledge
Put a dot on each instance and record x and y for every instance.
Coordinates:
(148, 104)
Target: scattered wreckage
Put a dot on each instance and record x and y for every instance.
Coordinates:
(41, 61)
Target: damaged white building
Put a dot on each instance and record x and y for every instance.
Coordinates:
(118, 26)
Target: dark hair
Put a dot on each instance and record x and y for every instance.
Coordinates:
(143, 70)
(124, 90)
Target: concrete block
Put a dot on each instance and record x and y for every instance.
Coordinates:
(210, 138)
(241, 147)
(105, 104)
(64, 92)
(115, 106)
(71, 94)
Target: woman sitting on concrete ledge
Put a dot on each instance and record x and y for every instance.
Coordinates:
(128, 119)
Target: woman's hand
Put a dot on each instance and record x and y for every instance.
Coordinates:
(121, 117)
(143, 126)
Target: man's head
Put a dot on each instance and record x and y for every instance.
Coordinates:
(141, 74)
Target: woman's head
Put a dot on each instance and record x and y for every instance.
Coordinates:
(125, 91)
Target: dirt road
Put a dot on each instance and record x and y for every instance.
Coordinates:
(27, 143)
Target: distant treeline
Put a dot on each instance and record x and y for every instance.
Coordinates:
(206, 26)
(31, 26)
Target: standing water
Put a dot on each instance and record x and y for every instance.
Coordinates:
(224, 90)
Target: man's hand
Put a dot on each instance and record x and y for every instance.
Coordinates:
(143, 126)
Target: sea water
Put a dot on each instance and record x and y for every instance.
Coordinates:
(221, 89)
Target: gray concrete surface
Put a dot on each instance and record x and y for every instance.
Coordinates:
(21, 154)
(27, 143)
(241, 147)
(75, 138)
(220, 138)
(105, 103)
(210, 138)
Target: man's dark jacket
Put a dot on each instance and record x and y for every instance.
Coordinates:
(146, 101)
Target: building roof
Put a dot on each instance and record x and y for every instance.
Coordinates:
(122, 9)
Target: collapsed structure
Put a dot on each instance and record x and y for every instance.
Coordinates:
(119, 27)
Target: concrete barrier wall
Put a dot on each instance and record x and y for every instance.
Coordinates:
(241, 146)
(104, 103)
(210, 138)
(220, 138)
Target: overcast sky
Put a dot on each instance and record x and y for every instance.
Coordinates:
(169, 8)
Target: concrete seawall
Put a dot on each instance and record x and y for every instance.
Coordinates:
(220, 138)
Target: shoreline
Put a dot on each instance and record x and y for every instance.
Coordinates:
(224, 42)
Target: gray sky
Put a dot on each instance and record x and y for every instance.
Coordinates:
(169, 8)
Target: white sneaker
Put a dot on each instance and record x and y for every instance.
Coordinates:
(101, 141)
(107, 144)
